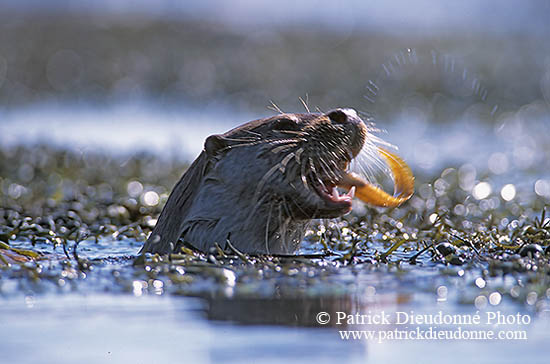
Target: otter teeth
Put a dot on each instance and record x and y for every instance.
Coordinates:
(335, 194)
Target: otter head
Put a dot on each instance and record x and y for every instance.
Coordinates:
(291, 161)
(259, 184)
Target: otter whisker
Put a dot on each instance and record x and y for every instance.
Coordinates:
(253, 142)
(264, 179)
(298, 154)
(295, 132)
(303, 175)
(287, 210)
(275, 107)
(281, 166)
(229, 147)
(302, 211)
(258, 135)
(285, 161)
(330, 163)
(283, 148)
(329, 172)
(369, 163)
(283, 228)
(337, 171)
(252, 213)
(304, 103)
(243, 139)
(314, 172)
(284, 141)
(267, 228)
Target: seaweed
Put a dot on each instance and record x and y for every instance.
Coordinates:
(79, 222)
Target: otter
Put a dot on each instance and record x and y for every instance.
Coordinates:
(259, 185)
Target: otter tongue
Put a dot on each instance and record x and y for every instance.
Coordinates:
(403, 189)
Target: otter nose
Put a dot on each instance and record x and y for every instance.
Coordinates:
(344, 116)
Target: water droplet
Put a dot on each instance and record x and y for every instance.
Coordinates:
(230, 277)
(480, 302)
(134, 188)
(150, 198)
(481, 190)
(542, 188)
(480, 282)
(495, 298)
(508, 192)
(442, 293)
(531, 298)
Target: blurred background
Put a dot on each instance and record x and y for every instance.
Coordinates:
(449, 82)
(241, 54)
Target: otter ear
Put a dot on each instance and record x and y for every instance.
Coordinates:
(214, 143)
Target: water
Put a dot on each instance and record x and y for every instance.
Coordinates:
(110, 310)
(150, 329)
(95, 328)
(121, 128)
(95, 317)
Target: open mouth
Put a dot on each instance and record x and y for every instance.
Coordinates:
(327, 189)
(332, 197)
(375, 196)
(367, 192)
(341, 203)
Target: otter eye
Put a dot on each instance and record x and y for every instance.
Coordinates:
(285, 124)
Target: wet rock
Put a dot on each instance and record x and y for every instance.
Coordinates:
(446, 249)
(454, 259)
(531, 250)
